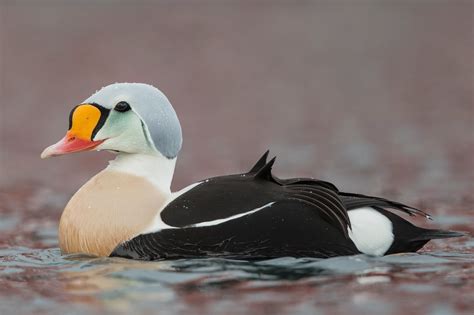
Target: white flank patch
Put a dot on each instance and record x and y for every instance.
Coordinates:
(372, 232)
(220, 221)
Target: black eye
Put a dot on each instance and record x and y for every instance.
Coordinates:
(122, 107)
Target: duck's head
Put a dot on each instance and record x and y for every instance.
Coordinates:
(122, 117)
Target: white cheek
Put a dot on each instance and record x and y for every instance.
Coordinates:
(372, 232)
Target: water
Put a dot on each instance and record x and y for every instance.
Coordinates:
(36, 279)
(44, 281)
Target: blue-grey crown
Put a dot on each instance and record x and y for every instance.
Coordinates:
(154, 109)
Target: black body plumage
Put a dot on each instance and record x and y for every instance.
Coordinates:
(300, 217)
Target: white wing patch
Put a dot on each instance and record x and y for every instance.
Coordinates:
(372, 232)
(220, 221)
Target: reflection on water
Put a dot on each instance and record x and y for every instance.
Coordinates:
(438, 281)
(36, 279)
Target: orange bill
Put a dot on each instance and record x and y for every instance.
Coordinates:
(84, 122)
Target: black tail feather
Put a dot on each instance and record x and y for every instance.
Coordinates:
(438, 234)
(354, 201)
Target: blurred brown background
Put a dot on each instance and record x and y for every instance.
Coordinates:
(373, 95)
(376, 96)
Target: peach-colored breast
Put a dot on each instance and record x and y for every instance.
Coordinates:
(110, 208)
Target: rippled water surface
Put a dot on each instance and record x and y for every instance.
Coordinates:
(44, 281)
(36, 279)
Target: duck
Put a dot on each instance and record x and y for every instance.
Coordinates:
(128, 209)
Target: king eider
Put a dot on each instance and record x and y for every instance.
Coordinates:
(128, 209)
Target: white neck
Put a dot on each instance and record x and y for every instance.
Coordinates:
(157, 169)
